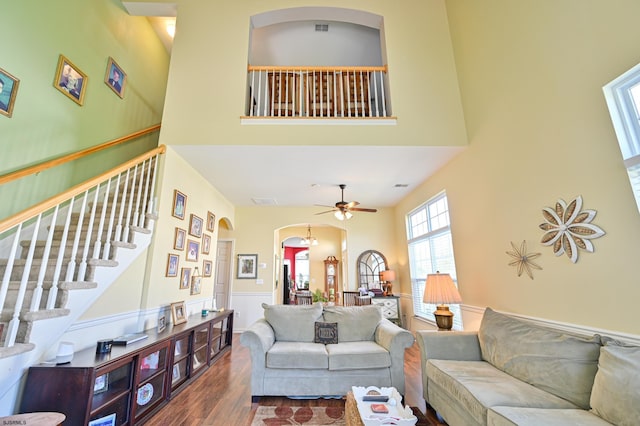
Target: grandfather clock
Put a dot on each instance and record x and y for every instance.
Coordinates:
(331, 279)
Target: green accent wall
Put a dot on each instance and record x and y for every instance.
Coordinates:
(45, 123)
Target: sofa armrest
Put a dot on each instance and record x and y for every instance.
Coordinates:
(259, 338)
(395, 340)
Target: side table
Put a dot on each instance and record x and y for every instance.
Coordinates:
(351, 413)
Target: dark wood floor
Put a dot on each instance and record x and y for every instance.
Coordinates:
(222, 395)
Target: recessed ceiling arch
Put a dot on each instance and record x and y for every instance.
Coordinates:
(313, 13)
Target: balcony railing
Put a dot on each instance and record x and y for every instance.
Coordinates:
(317, 92)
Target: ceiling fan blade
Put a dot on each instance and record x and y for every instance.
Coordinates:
(328, 211)
(351, 204)
(323, 205)
(356, 209)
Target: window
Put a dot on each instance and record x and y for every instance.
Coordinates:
(623, 100)
(430, 250)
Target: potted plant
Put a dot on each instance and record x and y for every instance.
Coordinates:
(318, 297)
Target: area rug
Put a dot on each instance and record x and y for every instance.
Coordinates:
(307, 416)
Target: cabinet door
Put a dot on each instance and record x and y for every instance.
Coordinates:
(152, 367)
(217, 332)
(181, 351)
(200, 348)
(112, 393)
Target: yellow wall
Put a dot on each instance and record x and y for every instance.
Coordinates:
(531, 74)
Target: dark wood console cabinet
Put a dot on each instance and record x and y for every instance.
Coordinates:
(133, 382)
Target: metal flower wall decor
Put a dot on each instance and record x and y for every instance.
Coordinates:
(523, 260)
(568, 228)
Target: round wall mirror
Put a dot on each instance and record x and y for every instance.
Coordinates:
(370, 264)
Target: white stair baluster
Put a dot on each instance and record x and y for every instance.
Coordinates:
(53, 293)
(37, 296)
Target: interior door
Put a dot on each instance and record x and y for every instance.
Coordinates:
(222, 274)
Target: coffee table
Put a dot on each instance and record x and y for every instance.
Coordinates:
(353, 416)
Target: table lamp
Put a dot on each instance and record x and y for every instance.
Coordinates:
(440, 290)
(386, 277)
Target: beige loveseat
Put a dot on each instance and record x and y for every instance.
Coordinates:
(287, 361)
(512, 372)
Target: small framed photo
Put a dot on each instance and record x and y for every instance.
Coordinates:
(247, 266)
(179, 312)
(172, 265)
(179, 239)
(179, 204)
(101, 384)
(175, 376)
(8, 92)
(70, 80)
(115, 78)
(196, 284)
(193, 250)
(109, 420)
(185, 278)
(206, 243)
(207, 268)
(195, 226)
(211, 221)
(162, 323)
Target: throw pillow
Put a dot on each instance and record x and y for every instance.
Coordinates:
(293, 323)
(560, 363)
(326, 333)
(616, 389)
(356, 322)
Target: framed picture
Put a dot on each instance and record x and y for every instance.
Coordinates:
(179, 239)
(178, 312)
(70, 80)
(115, 78)
(162, 323)
(151, 361)
(179, 204)
(196, 284)
(211, 221)
(207, 268)
(247, 266)
(193, 250)
(195, 226)
(109, 420)
(185, 278)
(176, 373)
(8, 92)
(172, 265)
(101, 384)
(206, 243)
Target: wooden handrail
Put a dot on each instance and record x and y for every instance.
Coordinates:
(314, 68)
(76, 155)
(62, 197)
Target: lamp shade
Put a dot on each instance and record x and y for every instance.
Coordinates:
(388, 275)
(440, 289)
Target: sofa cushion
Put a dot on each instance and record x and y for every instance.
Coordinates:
(521, 416)
(478, 385)
(357, 355)
(556, 362)
(616, 388)
(293, 323)
(356, 323)
(326, 332)
(291, 355)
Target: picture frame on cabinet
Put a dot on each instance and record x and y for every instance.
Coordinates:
(193, 251)
(115, 78)
(70, 81)
(195, 226)
(8, 92)
(247, 266)
(179, 204)
(172, 265)
(211, 221)
(179, 238)
(185, 278)
(101, 384)
(109, 420)
(162, 323)
(179, 312)
(207, 268)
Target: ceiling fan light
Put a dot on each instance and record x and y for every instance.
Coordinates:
(338, 214)
(348, 215)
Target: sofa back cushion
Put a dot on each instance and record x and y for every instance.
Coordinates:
(616, 389)
(559, 363)
(293, 323)
(356, 323)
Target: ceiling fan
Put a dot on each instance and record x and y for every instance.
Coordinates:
(342, 209)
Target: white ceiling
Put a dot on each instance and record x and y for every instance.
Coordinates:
(310, 175)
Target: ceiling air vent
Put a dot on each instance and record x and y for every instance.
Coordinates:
(322, 28)
(264, 201)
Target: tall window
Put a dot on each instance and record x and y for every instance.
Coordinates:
(623, 100)
(430, 251)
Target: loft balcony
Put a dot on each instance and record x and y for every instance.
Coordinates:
(295, 94)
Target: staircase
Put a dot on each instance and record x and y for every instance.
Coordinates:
(56, 260)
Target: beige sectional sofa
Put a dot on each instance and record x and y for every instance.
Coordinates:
(287, 361)
(513, 372)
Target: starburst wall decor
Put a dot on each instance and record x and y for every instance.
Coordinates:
(522, 260)
(568, 228)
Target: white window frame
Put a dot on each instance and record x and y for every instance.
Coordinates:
(447, 265)
(625, 116)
